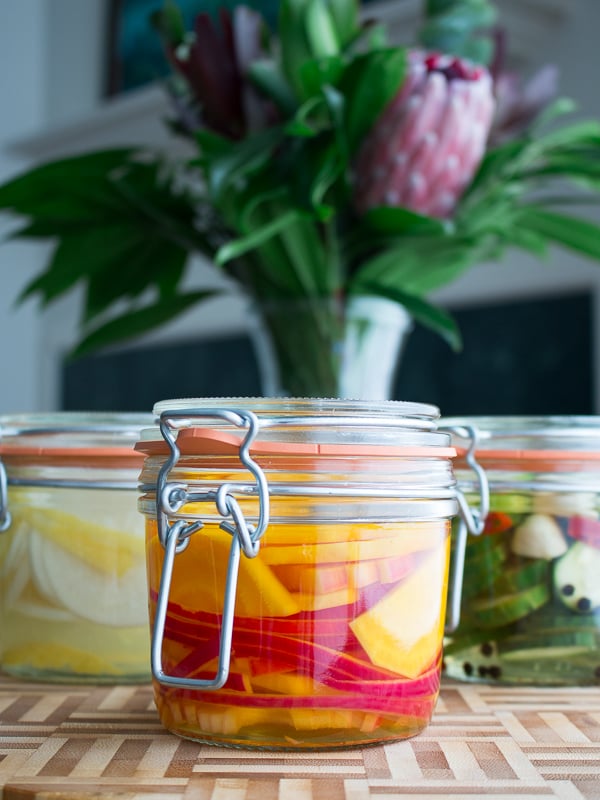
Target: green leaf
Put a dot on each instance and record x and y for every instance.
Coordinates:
(307, 121)
(557, 108)
(528, 240)
(139, 321)
(314, 188)
(498, 163)
(245, 244)
(368, 85)
(320, 29)
(152, 262)
(419, 265)
(344, 14)
(293, 42)
(585, 133)
(455, 27)
(336, 104)
(80, 255)
(212, 145)
(247, 157)
(396, 221)
(285, 243)
(325, 173)
(48, 190)
(567, 165)
(317, 73)
(306, 253)
(576, 234)
(268, 78)
(169, 22)
(423, 312)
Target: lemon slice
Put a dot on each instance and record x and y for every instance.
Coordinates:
(90, 593)
(53, 657)
(15, 550)
(14, 571)
(102, 528)
(38, 567)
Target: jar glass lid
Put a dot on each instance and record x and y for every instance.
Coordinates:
(299, 423)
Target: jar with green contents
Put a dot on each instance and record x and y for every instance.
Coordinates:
(73, 598)
(530, 609)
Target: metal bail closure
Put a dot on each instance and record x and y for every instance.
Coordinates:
(170, 497)
(471, 520)
(5, 518)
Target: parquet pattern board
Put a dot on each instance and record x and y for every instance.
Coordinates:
(106, 743)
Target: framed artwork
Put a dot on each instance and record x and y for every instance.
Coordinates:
(135, 53)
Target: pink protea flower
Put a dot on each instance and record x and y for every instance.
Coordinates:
(427, 144)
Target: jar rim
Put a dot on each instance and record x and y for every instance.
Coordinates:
(423, 415)
(532, 438)
(299, 426)
(66, 434)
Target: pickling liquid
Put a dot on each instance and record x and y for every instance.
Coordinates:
(336, 640)
(73, 597)
(531, 594)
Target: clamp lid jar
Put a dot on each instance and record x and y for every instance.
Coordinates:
(72, 569)
(297, 568)
(531, 592)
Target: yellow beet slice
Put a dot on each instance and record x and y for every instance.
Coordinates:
(53, 657)
(325, 578)
(403, 631)
(106, 549)
(319, 602)
(199, 576)
(289, 684)
(400, 544)
(425, 534)
(314, 719)
(187, 715)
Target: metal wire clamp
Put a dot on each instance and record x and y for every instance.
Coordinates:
(245, 537)
(469, 521)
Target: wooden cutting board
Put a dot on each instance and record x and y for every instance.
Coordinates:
(91, 743)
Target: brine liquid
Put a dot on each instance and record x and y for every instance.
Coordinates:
(337, 634)
(73, 595)
(531, 594)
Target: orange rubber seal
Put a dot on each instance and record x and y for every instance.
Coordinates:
(206, 441)
(102, 456)
(535, 460)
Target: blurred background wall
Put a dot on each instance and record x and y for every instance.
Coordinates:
(54, 62)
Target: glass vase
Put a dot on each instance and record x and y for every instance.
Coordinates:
(330, 348)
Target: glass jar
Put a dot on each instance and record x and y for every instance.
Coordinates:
(531, 589)
(297, 558)
(73, 595)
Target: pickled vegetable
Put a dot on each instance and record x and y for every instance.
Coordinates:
(336, 642)
(73, 585)
(531, 594)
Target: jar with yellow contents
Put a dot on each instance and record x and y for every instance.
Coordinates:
(297, 555)
(73, 597)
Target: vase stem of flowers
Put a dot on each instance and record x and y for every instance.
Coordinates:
(330, 348)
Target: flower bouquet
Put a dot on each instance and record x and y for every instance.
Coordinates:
(329, 168)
